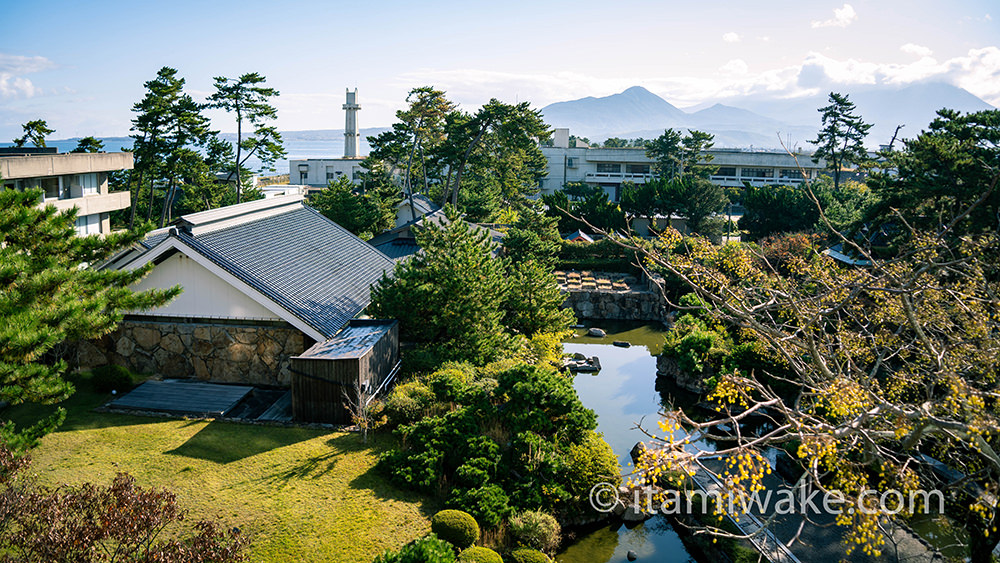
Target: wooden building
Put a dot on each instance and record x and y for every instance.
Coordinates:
(365, 355)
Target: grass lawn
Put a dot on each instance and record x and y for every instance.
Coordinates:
(301, 495)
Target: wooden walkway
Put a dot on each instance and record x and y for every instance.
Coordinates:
(183, 397)
(749, 524)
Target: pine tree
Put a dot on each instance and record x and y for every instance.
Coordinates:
(50, 295)
(245, 97)
(841, 140)
(34, 131)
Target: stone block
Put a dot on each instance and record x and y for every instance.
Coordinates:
(125, 346)
(202, 333)
(89, 355)
(172, 343)
(146, 338)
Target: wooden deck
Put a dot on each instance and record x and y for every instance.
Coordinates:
(183, 397)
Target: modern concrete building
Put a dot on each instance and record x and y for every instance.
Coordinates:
(69, 180)
(608, 168)
(319, 172)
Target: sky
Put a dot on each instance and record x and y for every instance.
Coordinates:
(81, 65)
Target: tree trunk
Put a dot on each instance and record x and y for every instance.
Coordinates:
(465, 158)
(239, 147)
(409, 172)
(166, 202)
(447, 186)
(149, 210)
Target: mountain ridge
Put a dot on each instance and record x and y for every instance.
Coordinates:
(758, 121)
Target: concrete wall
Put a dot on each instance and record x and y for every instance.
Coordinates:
(37, 166)
(248, 354)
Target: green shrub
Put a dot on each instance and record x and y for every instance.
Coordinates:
(488, 504)
(456, 527)
(537, 530)
(589, 462)
(111, 378)
(428, 549)
(696, 346)
(409, 402)
(479, 555)
(525, 555)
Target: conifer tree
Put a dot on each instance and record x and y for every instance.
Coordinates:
(842, 138)
(50, 293)
(250, 101)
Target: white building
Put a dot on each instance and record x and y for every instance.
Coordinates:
(319, 172)
(69, 180)
(609, 167)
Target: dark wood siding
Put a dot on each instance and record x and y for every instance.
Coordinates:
(319, 384)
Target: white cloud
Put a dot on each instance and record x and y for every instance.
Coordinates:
(13, 84)
(978, 71)
(918, 50)
(842, 17)
(735, 66)
(731, 37)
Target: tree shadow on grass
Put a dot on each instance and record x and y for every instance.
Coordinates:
(222, 442)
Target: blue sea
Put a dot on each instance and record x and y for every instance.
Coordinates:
(298, 145)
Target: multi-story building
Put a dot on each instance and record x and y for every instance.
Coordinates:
(69, 180)
(609, 167)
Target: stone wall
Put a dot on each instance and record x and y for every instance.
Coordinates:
(631, 305)
(249, 354)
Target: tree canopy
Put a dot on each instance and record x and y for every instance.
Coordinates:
(35, 132)
(841, 139)
(251, 102)
(50, 295)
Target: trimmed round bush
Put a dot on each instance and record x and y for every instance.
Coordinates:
(536, 530)
(428, 549)
(110, 378)
(525, 555)
(456, 527)
(479, 555)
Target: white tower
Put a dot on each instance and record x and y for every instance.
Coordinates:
(351, 134)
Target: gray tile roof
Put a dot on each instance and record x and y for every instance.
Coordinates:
(312, 267)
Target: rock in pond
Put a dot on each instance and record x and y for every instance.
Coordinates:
(631, 555)
(597, 332)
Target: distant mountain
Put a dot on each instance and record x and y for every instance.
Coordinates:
(914, 106)
(758, 120)
(635, 108)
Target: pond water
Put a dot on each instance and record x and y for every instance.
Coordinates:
(623, 394)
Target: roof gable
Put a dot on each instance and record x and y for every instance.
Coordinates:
(288, 253)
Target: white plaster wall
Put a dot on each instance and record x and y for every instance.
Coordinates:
(205, 294)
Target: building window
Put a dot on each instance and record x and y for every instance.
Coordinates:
(89, 225)
(637, 168)
(356, 174)
(88, 183)
(757, 173)
(608, 168)
(792, 173)
(51, 188)
(726, 171)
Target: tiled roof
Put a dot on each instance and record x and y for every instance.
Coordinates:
(309, 265)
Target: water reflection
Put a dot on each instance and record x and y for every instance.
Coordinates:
(623, 395)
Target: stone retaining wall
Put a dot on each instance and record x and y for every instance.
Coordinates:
(258, 355)
(629, 305)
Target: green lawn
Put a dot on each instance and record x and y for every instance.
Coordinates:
(301, 495)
